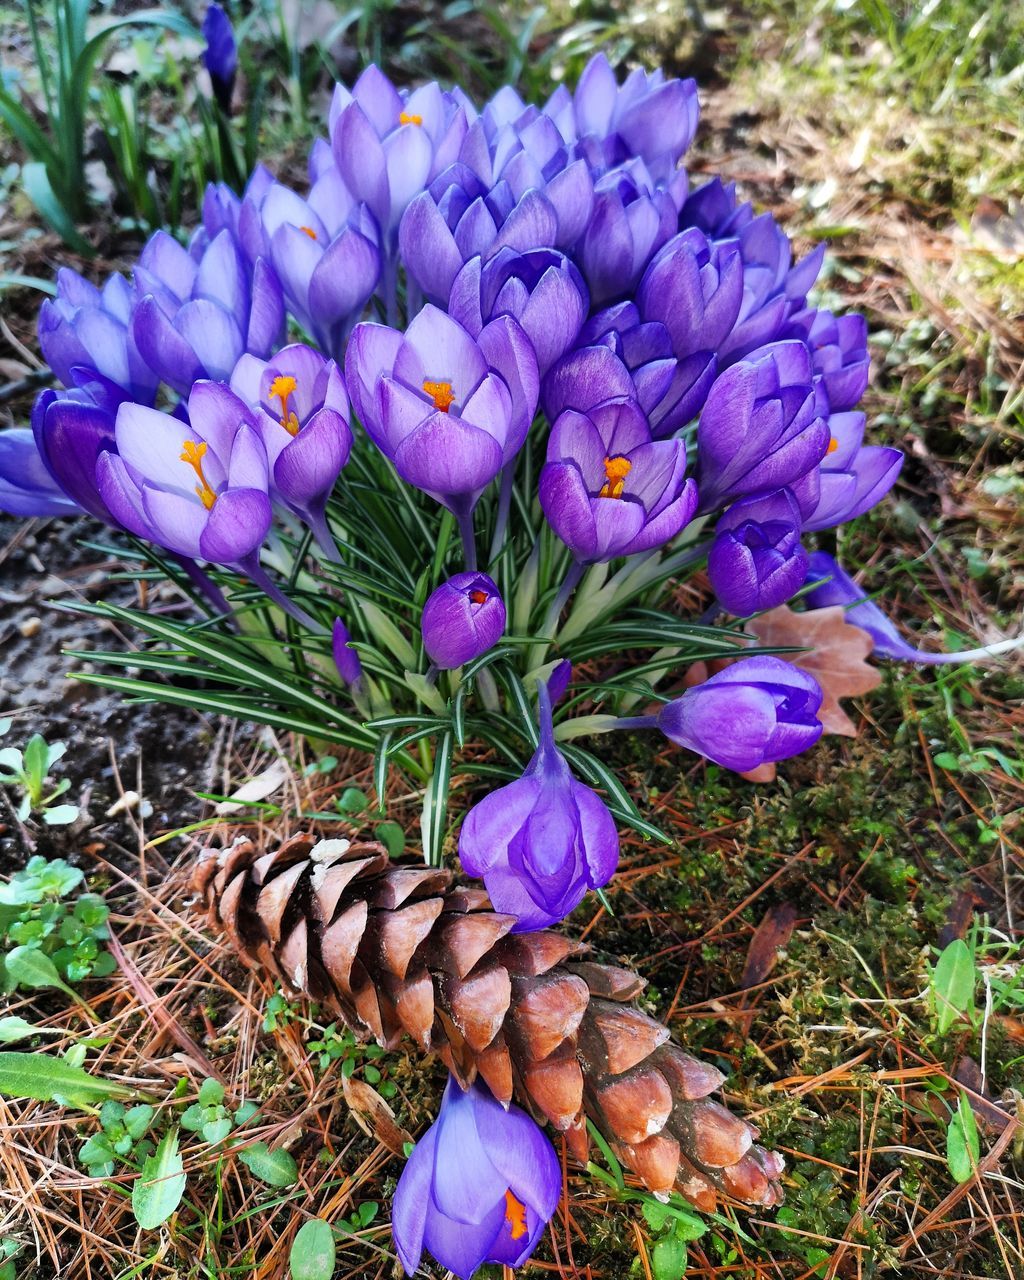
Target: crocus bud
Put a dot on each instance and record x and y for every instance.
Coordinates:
(756, 560)
(26, 486)
(463, 618)
(480, 1186)
(345, 657)
(755, 712)
(541, 842)
(220, 57)
(839, 352)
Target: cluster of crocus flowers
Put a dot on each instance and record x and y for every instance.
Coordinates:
(526, 311)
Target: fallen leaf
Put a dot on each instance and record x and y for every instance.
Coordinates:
(374, 1116)
(258, 788)
(770, 936)
(836, 653)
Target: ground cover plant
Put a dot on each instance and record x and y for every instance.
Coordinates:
(946, 1004)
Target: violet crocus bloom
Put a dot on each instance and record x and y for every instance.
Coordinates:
(756, 711)
(199, 490)
(756, 560)
(85, 334)
(834, 586)
(323, 250)
(26, 486)
(694, 287)
(852, 477)
(608, 489)
(773, 288)
(389, 147)
(762, 426)
(302, 414)
(542, 841)
(480, 1186)
(839, 352)
(449, 410)
(346, 659)
(71, 429)
(541, 289)
(631, 220)
(220, 57)
(195, 319)
(463, 618)
(714, 209)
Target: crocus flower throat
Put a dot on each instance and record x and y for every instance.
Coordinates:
(616, 470)
(282, 388)
(441, 393)
(193, 454)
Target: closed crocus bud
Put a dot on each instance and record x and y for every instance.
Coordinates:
(762, 426)
(220, 57)
(541, 289)
(541, 842)
(756, 711)
(630, 221)
(195, 319)
(480, 1186)
(448, 409)
(839, 353)
(694, 288)
(346, 659)
(756, 560)
(608, 489)
(463, 618)
(714, 209)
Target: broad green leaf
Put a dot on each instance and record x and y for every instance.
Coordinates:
(60, 815)
(29, 967)
(668, 1259)
(963, 1150)
(952, 984)
(276, 1168)
(14, 1028)
(313, 1252)
(159, 1187)
(47, 1079)
(211, 1093)
(392, 837)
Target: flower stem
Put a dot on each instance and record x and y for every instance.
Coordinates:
(561, 599)
(207, 586)
(260, 578)
(465, 519)
(508, 476)
(635, 722)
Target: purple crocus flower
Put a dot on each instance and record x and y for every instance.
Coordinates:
(71, 429)
(220, 57)
(671, 392)
(608, 489)
(459, 217)
(388, 148)
(773, 288)
(631, 220)
(694, 287)
(449, 410)
(463, 618)
(852, 477)
(834, 586)
(839, 352)
(26, 486)
(85, 335)
(756, 711)
(323, 250)
(762, 426)
(346, 659)
(199, 490)
(714, 209)
(480, 1186)
(195, 319)
(756, 560)
(542, 841)
(541, 289)
(302, 413)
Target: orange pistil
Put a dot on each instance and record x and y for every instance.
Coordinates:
(281, 389)
(515, 1215)
(441, 393)
(616, 469)
(478, 597)
(193, 454)
(406, 118)
(833, 445)
(309, 232)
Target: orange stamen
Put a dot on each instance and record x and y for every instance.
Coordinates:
(309, 232)
(616, 469)
(281, 389)
(515, 1215)
(405, 118)
(833, 445)
(478, 597)
(441, 393)
(193, 454)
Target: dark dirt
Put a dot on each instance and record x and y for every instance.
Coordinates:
(158, 751)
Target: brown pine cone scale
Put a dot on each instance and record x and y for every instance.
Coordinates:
(401, 950)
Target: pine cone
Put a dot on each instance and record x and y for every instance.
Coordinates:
(402, 950)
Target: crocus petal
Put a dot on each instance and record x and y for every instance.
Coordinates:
(237, 524)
